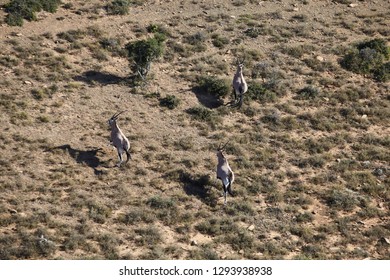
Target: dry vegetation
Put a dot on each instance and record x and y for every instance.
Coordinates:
(310, 146)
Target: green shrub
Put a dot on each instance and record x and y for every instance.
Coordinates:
(118, 7)
(158, 202)
(369, 58)
(201, 113)
(170, 101)
(26, 9)
(214, 86)
(379, 45)
(219, 41)
(341, 200)
(158, 28)
(257, 92)
(252, 32)
(141, 53)
(382, 73)
(197, 41)
(308, 92)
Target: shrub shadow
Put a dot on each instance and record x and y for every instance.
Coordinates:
(92, 77)
(88, 157)
(208, 100)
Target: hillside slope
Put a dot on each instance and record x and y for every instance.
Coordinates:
(310, 149)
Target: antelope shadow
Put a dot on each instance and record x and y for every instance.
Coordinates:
(88, 157)
(198, 186)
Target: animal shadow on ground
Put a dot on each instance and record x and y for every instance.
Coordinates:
(88, 157)
(208, 100)
(199, 187)
(92, 77)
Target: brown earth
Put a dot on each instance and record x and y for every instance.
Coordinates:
(311, 174)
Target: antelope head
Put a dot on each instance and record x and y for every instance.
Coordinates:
(240, 63)
(114, 117)
(221, 149)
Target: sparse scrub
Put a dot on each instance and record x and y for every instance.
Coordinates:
(134, 217)
(203, 114)
(298, 51)
(108, 244)
(197, 41)
(217, 226)
(98, 212)
(239, 207)
(149, 236)
(342, 200)
(308, 92)
(258, 92)
(26, 9)
(219, 41)
(118, 7)
(170, 101)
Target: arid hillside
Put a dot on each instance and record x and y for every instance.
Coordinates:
(310, 146)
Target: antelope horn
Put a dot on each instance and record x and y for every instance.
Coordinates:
(117, 114)
(223, 147)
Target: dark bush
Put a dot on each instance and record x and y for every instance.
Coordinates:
(26, 9)
(308, 92)
(258, 92)
(219, 41)
(141, 53)
(214, 86)
(369, 58)
(118, 7)
(201, 113)
(170, 101)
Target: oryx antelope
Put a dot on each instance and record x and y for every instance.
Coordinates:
(239, 85)
(224, 172)
(118, 139)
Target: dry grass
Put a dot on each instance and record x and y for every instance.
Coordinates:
(310, 146)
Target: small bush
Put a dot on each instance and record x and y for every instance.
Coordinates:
(118, 7)
(369, 58)
(257, 92)
(71, 35)
(201, 113)
(148, 236)
(382, 73)
(170, 101)
(158, 202)
(341, 200)
(214, 86)
(253, 32)
(197, 41)
(136, 216)
(308, 92)
(219, 41)
(158, 28)
(26, 9)
(141, 53)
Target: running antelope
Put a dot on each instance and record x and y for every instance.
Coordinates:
(224, 172)
(239, 86)
(118, 139)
